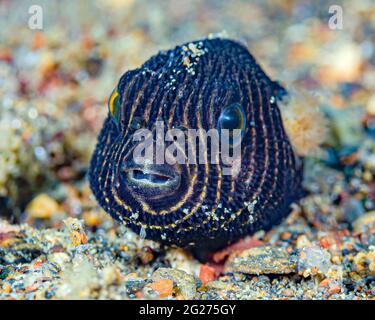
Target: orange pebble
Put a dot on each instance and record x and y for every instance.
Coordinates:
(83, 238)
(39, 41)
(207, 274)
(163, 287)
(324, 283)
(7, 289)
(324, 243)
(75, 238)
(139, 295)
(37, 264)
(30, 289)
(334, 289)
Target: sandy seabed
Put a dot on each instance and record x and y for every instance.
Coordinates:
(56, 243)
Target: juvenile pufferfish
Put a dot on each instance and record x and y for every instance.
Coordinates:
(212, 83)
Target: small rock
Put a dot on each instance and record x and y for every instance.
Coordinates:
(94, 66)
(365, 263)
(364, 222)
(313, 260)
(352, 209)
(61, 259)
(19, 251)
(42, 207)
(288, 293)
(181, 259)
(79, 281)
(111, 275)
(163, 287)
(76, 231)
(334, 289)
(207, 274)
(302, 242)
(220, 286)
(370, 107)
(4, 272)
(262, 260)
(134, 285)
(324, 283)
(342, 64)
(184, 281)
(146, 255)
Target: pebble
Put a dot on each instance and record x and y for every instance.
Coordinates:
(53, 90)
(370, 108)
(313, 260)
(76, 231)
(262, 260)
(342, 64)
(364, 263)
(207, 274)
(60, 259)
(42, 207)
(163, 287)
(185, 282)
(302, 242)
(334, 289)
(135, 285)
(364, 222)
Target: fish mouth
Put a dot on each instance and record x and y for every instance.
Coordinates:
(145, 176)
(151, 180)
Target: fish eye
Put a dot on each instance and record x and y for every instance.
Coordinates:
(181, 127)
(136, 123)
(232, 117)
(114, 105)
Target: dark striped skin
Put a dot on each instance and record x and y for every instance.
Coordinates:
(208, 209)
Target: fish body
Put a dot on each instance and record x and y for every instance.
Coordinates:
(203, 84)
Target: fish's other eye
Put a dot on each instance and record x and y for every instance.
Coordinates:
(181, 127)
(232, 117)
(137, 123)
(114, 105)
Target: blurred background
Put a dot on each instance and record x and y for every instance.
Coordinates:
(54, 82)
(59, 62)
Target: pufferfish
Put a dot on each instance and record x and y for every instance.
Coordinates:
(210, 83)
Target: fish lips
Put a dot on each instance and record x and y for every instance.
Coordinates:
(151, 181)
